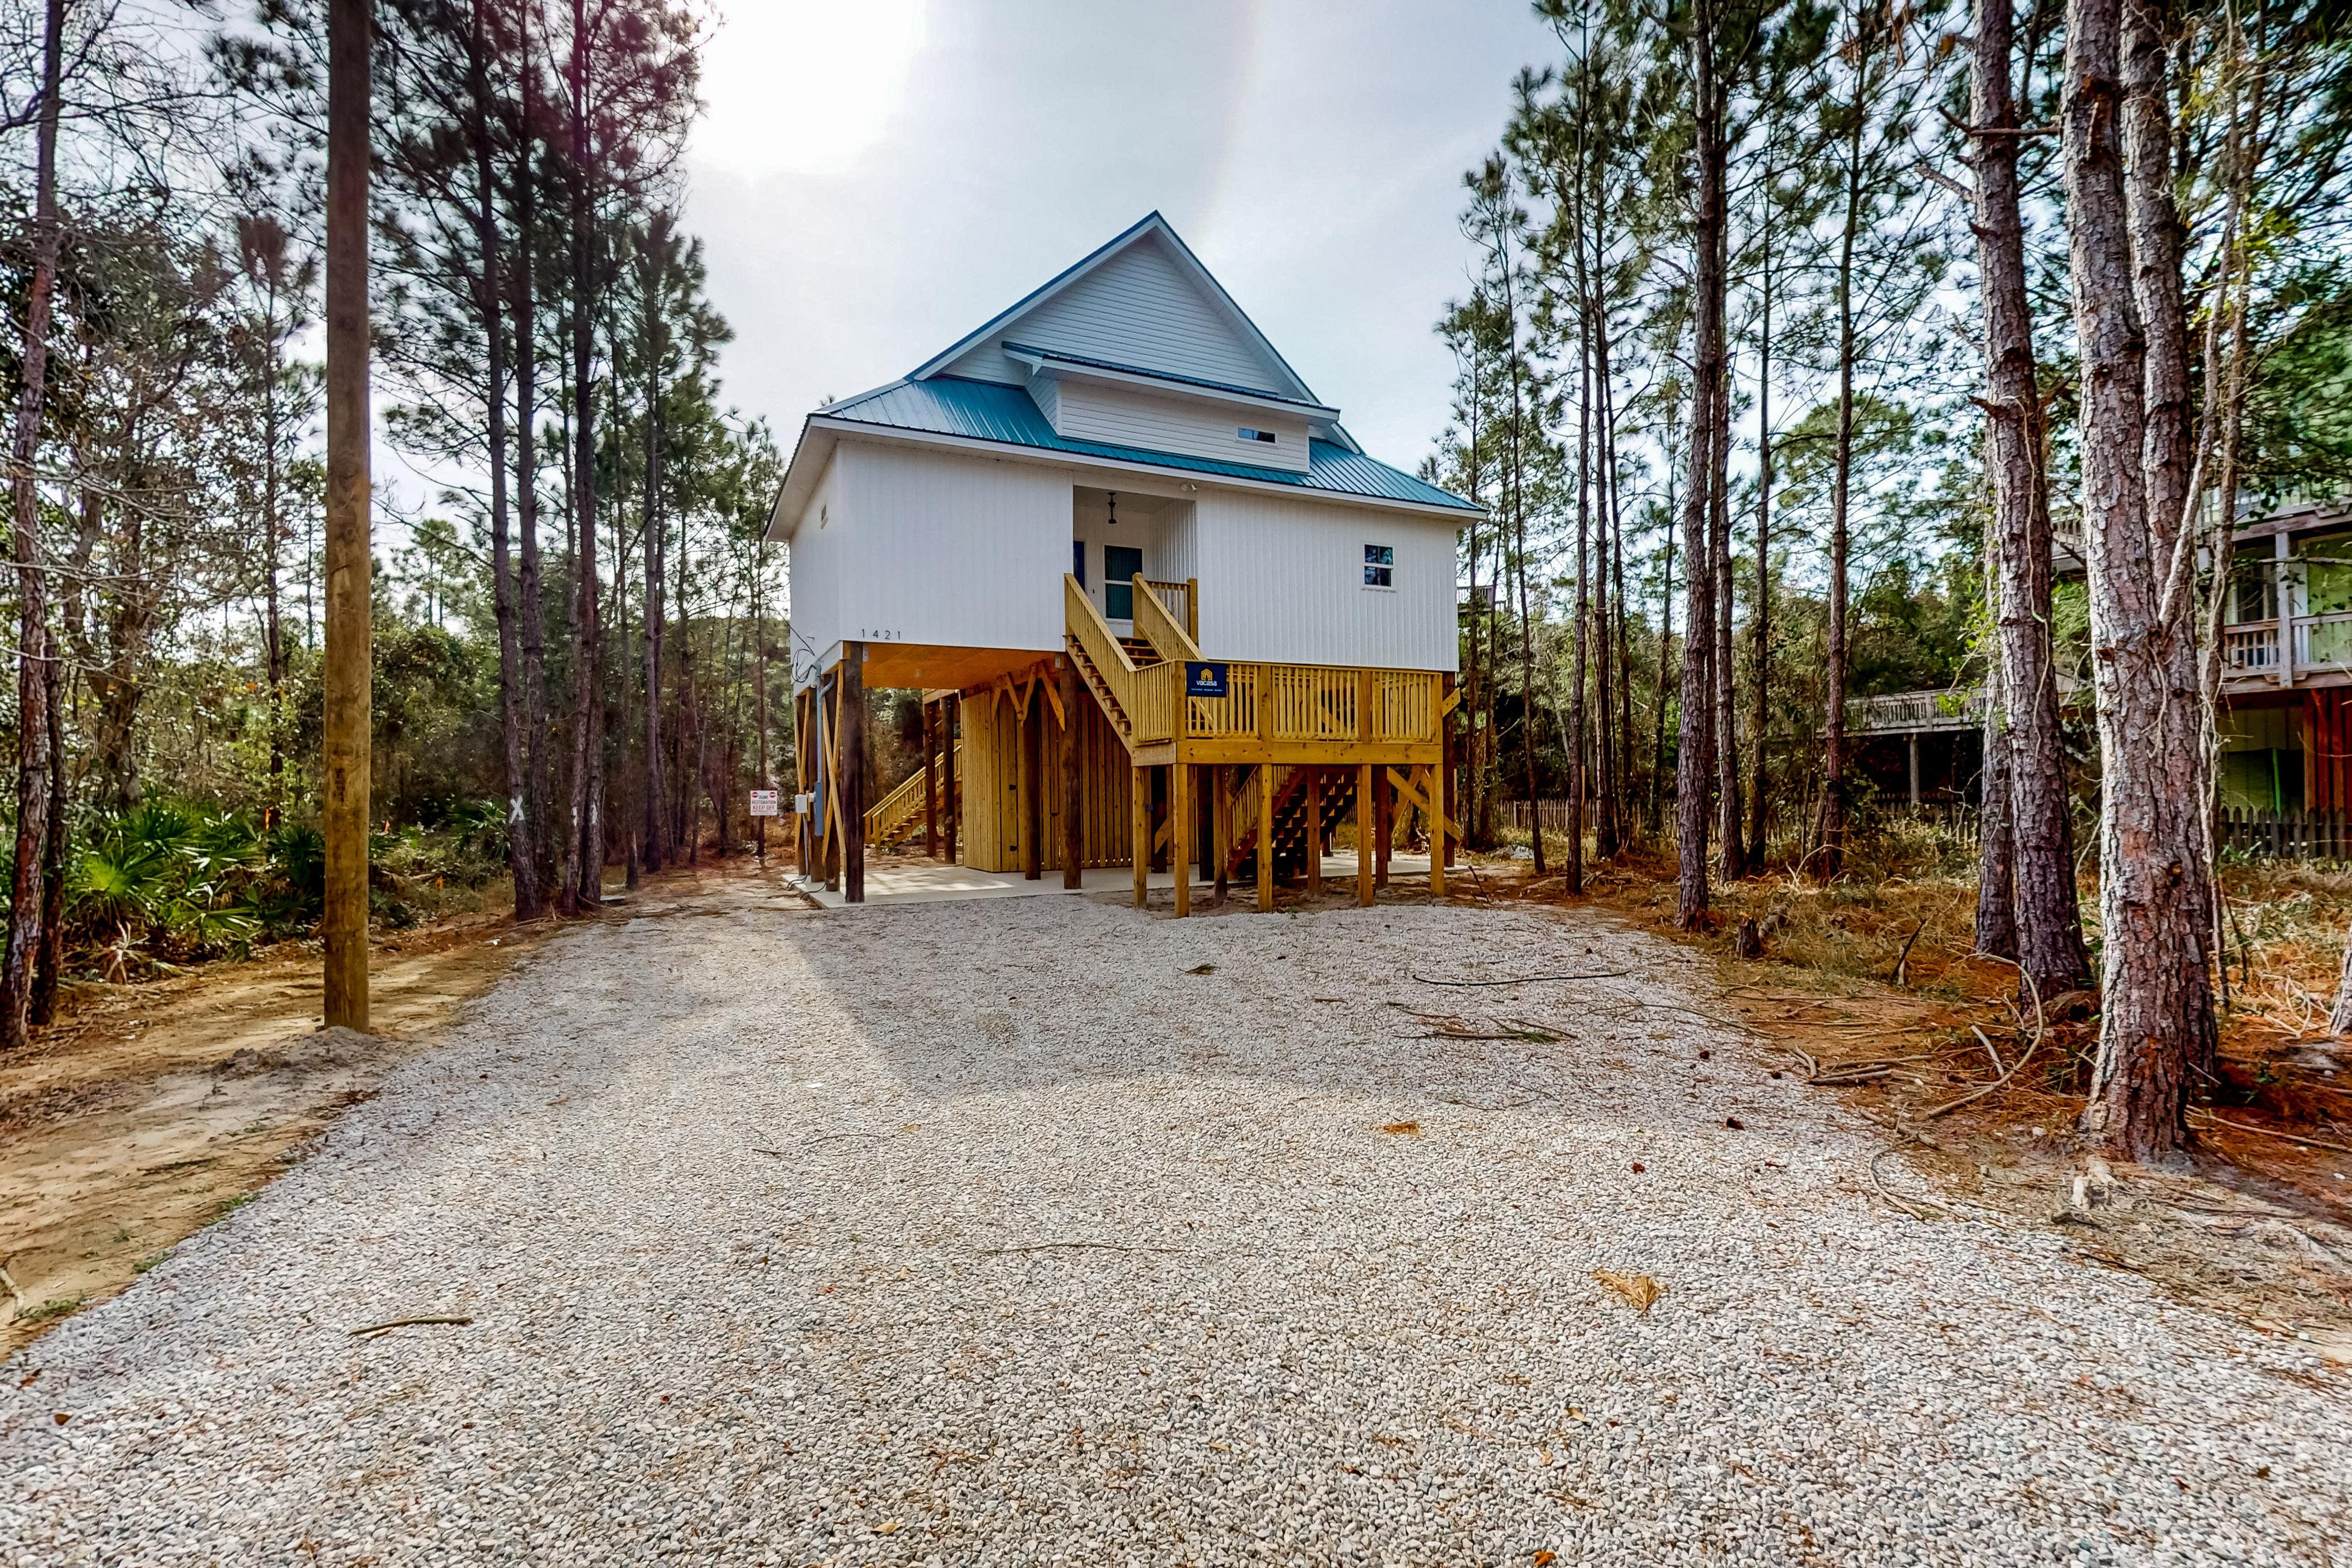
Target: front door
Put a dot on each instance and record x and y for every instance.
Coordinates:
(1121, 566)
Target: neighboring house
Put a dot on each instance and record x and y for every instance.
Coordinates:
(2286, 661)
(1114, 489)
(2285, 725)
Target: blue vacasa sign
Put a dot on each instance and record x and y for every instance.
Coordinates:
(1203, 678)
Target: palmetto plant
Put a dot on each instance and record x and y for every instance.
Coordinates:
(162, 874)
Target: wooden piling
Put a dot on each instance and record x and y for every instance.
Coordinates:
(853, 773)
(931, 782)
(1220, 838)
(1315, 833)
(951, 722)
(1139, 827)
(1181, 847)
(1074, 848)
(1266, 831)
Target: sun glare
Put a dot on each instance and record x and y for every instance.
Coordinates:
(804, 86)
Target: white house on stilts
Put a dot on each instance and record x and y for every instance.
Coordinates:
(1163, 610)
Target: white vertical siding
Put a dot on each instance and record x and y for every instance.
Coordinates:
(816, 563)
(1140, 307)
(1180, 542)
(1123, 418)
(949, 548)
(1283, 580)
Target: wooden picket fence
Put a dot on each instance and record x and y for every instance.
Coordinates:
(1514, 815)
(2292, 835)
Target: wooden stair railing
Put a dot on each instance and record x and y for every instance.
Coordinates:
(899, 814)
(1141, 700)
(1292, 840)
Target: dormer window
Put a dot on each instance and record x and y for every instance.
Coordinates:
(1247, 434)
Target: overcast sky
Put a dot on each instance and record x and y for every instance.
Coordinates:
(875, 178)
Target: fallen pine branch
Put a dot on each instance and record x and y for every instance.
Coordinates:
(1074, 1246)
(374, 1329)
(1526, 979)
(1903, 958)
(2003, 1081)
(1906, 1204)
(2268, 1132)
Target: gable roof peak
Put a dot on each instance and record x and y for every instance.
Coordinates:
(1152, 225)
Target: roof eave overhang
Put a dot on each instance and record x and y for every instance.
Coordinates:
(810, 454)
(835, 429)
(1044, 361)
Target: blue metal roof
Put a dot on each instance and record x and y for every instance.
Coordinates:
(992, 411)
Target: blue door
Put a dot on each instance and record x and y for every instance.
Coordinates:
(1122, 566)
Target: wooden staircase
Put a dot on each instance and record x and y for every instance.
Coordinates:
(1295, 837)
(900, 815)
(1091, 673)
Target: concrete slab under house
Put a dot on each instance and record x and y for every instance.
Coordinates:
(1164, 614)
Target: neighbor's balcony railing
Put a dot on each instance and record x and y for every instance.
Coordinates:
(2251, 649)
(1901, 711)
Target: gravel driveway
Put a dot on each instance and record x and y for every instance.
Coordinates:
(1045, 1231)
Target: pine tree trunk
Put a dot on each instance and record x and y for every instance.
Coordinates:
(33, 774)
(531, 611)
(588, 707)
(2047, 925)
(1832, 857)
(522, 858)
(2156, 1015)
(1759, 613)
(1695, 769)
(1996, 926)
(50, 967)
(1576, 777)
(2166, 470)
(1656, 814)
(656, 823)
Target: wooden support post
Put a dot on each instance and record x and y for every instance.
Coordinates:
(1033, 784)
(1365, 830)
(1139, 827)
(1220, 815)
(1265, 838)
(1914, 739)
(853, 773)
(804, 749)
(1440, 792)
(1314, 833)
(931, 782)
(950, 729)
(829, 760)
(1073, 837)
(1179, 842)
(1383, 823)
(345, 692)
(1432, 790)
(1192, 609)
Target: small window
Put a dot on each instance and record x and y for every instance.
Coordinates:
(1247, 434)
(1380, 566)
(1078, 561)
